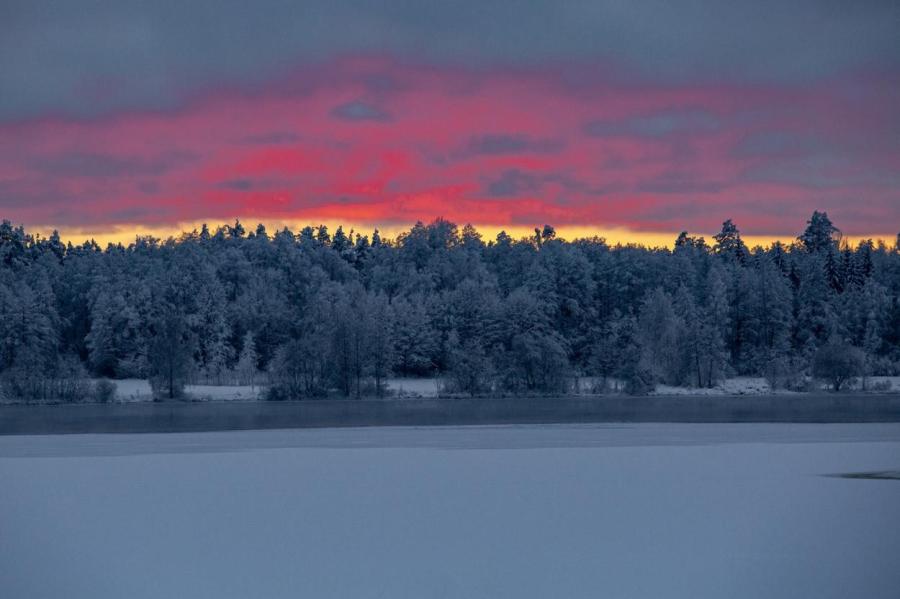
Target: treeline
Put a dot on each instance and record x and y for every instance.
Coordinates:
(313, 313)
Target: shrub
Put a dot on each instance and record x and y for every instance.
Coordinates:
(879, 386)
(297, 372)
(638, 379)
(785, 373)
(470, 370)
(838, 363)
(65, 384)
(165, 388)
(532, 364)
(104, 391)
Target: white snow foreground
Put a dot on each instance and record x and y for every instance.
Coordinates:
(698, 511)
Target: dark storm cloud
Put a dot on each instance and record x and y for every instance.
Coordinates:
(85, 58)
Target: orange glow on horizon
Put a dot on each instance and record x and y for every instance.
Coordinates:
(126, 234)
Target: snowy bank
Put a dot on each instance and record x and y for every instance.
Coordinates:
(230, 415)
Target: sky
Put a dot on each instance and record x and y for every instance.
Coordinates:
(633, 120)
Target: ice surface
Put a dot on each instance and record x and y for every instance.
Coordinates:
(649, 510)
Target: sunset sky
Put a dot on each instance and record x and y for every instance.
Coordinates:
(633, 120)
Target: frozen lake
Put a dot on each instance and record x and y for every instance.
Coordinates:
(644, 510)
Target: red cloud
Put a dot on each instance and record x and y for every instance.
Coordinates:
(373, 140)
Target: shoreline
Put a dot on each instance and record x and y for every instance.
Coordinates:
(261, 415)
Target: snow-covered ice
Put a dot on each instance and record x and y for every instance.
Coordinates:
(649, 510)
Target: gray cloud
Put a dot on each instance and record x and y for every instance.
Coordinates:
(678, 182)
(513, 183)
(148, 187)
(658, 124)
(821, 171)
(238, 184)
(359, 111)
(496, 144)
(272, 138)
(86, 164)
(84, 58)
(781, 144)
(815, 161)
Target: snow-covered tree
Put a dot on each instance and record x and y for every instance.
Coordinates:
(820, 234)
(416, 342)
(380, 338)
(170, 353)
(247, 367)
(338, 314)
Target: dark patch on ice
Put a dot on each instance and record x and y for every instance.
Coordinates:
(881, 475)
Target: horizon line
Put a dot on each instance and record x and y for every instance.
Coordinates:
(127, 234)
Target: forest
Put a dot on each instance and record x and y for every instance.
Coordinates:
(319, 314)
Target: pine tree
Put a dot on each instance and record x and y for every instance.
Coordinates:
(247, 365)
(729, 243)
(771, 314)
(29, 339)
(659, 329)
(814, 319)
(633, 370)
(416, 341)
(605, 358)
(340, 243)
(820, 234)
(715, 322)
(741, 330)
(218, 352)
(380, 335)
(531, 308)
(469, 369)
(690, 351)
(832, 268)
(101, 341)
(170, 355)
(863, 265)
(237, 230)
